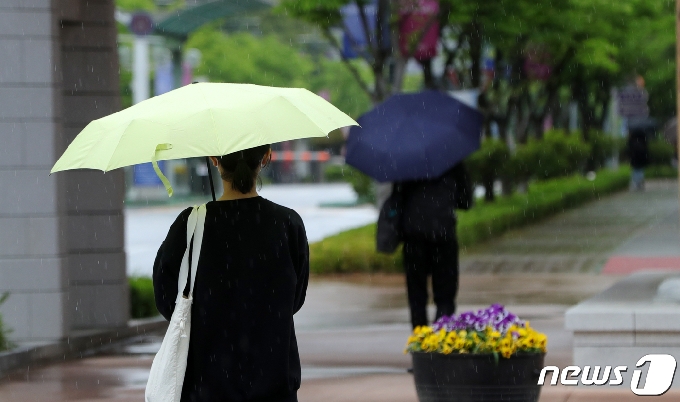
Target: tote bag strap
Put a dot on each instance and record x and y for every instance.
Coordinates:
(184, 267)
(196, 253)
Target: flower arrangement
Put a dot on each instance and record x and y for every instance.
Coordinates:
(492, 330)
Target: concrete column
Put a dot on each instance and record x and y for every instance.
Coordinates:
(61, 236)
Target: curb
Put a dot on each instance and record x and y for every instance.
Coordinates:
(76, 346)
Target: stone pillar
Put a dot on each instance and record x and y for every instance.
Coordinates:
(61, 236)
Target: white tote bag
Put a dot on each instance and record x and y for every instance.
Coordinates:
(170, 364)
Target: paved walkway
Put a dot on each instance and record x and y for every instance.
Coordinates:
(351, 335)
(352, 329)
(627, 225)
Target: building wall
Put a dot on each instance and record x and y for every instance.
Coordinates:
(61, 236)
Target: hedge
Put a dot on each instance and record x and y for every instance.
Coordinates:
(354, 250)
(661, 172)
(142, 302)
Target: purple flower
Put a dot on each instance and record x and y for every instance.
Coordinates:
(494, 316)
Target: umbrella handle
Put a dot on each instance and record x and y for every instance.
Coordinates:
(154, 162)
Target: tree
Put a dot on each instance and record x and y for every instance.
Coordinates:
(649, 50)
(589, 47)
(266, 60)
(241, 57)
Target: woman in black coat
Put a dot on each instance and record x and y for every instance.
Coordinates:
(252, 277)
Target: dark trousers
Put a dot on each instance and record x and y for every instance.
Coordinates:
(423, 258)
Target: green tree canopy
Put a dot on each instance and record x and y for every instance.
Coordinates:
(241, 57)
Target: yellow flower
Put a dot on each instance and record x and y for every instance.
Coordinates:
(430, 343)
(446, 349)
(506, 352)
(459, 343)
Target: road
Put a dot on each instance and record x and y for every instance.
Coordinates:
(146, 227)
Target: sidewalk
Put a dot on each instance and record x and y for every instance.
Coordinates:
(351, 334)
(585, 239)
(352, 329)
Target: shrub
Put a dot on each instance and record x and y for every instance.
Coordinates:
(354, 250)
(5, 343)
(558, 154)
(661, 172)
(602, 147)
(660, 152)
(142, 301)
(362, 184)
(488, 164)
(334, 173)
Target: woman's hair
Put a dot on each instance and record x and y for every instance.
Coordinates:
(241, 168)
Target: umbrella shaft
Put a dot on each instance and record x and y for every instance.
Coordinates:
(212, 186)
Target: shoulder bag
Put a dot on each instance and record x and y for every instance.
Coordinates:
(169, 365)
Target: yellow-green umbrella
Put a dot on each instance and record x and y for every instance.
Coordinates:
(202, 119)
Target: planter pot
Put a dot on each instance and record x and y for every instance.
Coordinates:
(473, 378)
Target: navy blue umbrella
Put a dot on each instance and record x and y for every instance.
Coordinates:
(414, 136)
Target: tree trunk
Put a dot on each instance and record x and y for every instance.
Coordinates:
(428, 78)
(476, 53)
(488, 190)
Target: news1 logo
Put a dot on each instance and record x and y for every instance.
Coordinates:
(659, 377)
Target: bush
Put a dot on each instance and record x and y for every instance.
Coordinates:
(354, 250)
(660, 152)
(142, 301)
(362, 184)
(557, 155)
(5, 343)
(661, 172)
(602, 147)
(488, 164)
(334, 173)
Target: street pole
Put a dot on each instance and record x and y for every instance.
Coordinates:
(140, 69)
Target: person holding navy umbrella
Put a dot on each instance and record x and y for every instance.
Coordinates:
(418, 142)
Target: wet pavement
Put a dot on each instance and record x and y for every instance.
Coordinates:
(319, 205)
(351, 334)
(583, 239)
(352, 329)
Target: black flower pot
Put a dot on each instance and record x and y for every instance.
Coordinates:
(474, 378)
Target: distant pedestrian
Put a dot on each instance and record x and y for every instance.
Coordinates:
(639, 158)
(252, 277)
(428, 225)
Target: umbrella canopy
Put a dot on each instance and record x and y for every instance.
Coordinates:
(202, 119)
(414, 136)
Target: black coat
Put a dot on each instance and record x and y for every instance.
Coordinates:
(252, 277)
(429, 205)
(637, 149)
